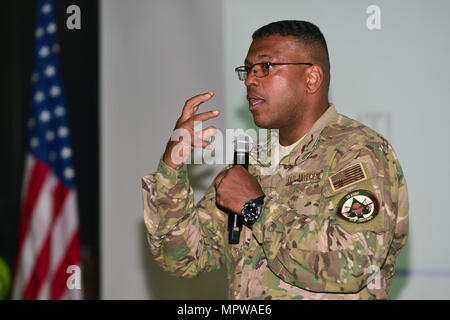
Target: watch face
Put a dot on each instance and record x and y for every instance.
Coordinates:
(250, 212)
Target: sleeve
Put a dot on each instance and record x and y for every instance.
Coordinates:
(358, 228)
(184, 239)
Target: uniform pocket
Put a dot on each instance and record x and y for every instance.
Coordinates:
(304, 199)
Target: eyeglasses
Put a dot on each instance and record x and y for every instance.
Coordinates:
(261, 70)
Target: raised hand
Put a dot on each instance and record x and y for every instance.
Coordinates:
(184, 139)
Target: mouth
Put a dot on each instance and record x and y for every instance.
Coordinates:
(254, 102)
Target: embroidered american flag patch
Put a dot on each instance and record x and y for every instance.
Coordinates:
(348, 176)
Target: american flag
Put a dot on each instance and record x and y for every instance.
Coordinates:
(48, 256)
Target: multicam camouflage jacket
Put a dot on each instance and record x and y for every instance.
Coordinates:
(334, 218)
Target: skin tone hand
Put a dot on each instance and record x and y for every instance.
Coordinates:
(234, 187)
(178, 151)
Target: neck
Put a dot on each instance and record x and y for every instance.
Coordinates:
(291, 133)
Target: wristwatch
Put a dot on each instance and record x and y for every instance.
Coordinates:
(251, 210)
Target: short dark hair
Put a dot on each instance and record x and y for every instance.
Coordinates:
(306, 32)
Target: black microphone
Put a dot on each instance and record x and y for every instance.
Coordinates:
(241, 157)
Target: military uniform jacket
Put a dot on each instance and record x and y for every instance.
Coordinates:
(333, 221)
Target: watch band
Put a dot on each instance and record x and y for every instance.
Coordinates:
(260, 200)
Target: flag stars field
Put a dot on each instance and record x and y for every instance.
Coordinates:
(52, 155)
(66, 153)
(31, 123)
(39, 96)
(55, 91)
(39, 32)
(50, 136)
(59, 111)
(34, 142)
(44, 51)
(45, 116)
(46, 8)
(56, 48)
(35, 77)
(63, 132)
(69, 173)
(50, 71)
(51, 28)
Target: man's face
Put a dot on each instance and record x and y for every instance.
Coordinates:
(277, 100)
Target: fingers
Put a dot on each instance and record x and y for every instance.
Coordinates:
(200, 136)
(205, 115)
(191, 105)
(219, 178)
(184, 129)
(208, 132)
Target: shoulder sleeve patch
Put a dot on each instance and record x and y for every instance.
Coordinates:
(348, 176)
(358, 206)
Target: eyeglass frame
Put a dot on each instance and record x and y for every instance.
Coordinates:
(270, 64)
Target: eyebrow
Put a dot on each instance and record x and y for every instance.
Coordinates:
(259, 57)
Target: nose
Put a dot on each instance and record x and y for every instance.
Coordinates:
(251, 79)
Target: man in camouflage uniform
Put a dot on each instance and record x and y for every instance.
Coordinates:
(335, 211)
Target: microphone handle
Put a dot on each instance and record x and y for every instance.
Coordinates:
(235, 220)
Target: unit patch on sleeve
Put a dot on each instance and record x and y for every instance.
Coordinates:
(358, 206)
(348, 176)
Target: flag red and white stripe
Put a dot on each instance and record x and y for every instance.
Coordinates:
(49, 237)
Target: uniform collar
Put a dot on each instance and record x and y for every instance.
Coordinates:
(261, 153)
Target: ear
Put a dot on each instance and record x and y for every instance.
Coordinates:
(314, 79)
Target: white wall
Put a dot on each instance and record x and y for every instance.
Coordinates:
(156, 54)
